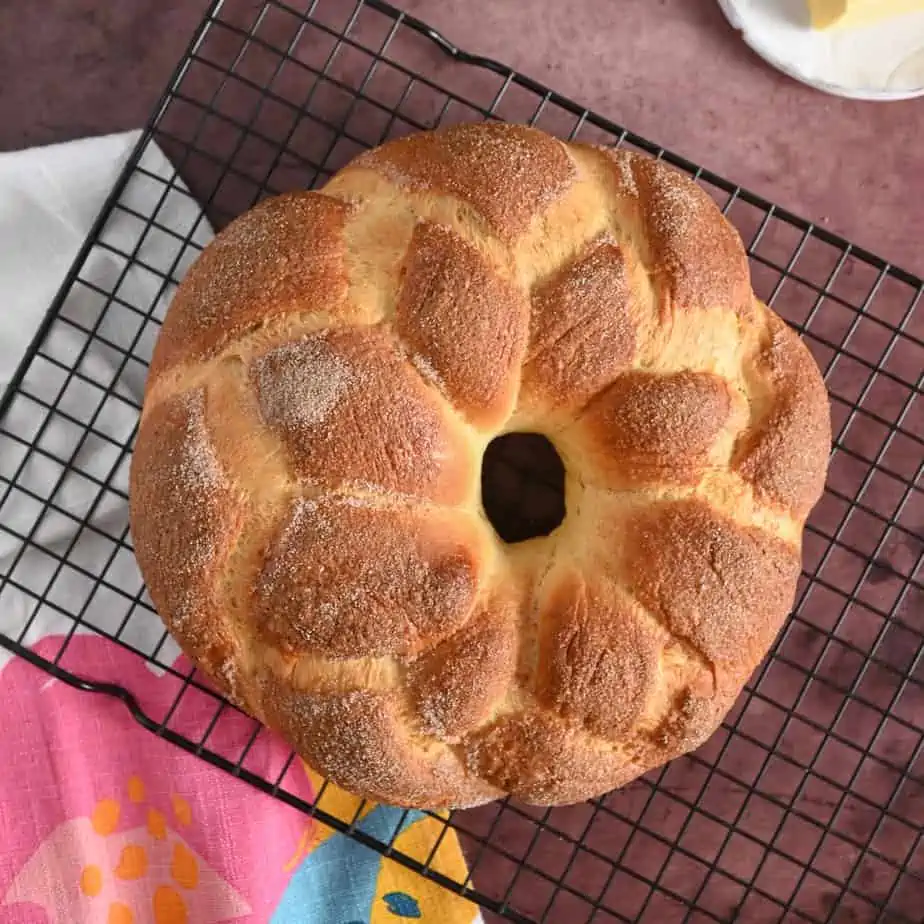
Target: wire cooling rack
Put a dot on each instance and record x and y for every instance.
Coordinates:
(808, 804)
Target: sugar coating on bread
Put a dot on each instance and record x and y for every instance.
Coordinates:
(305, 488)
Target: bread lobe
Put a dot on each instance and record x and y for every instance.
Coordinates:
(346, 579)
(648, 428)
(583, 330)
(506, 173)
(325, 393)
(284, 257)
(186, 518)
(462, 322)
(785, 455)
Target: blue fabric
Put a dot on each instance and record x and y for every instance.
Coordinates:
(402, 905)
(336, 882)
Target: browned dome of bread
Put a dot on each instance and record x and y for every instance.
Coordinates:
(305, 494)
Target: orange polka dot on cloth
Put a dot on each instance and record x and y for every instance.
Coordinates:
(169, 907)
(181, 809)
(120, 913)
(157, 824)
(91, 880)
(133, 862)
(136, 789)
(105, 817)
(183, 868)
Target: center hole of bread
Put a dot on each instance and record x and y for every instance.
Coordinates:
(522, 486)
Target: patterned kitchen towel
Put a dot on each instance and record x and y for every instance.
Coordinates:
(105, 823)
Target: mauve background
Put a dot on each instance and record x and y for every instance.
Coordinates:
(672, 70)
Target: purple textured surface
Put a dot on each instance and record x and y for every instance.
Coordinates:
(672, 70)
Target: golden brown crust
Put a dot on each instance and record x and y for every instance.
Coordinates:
(723, 587)
(544, 760)
(652, 428)
(598, 657)
(283, 257)
(691, 723)
(458, 684)
(361, 740)
(185, 520)
(347, 580)
(324, 393)
(583, 331)
(305, 488)
(693, 254)
(785, 455)
(506, 173)
(454, 306)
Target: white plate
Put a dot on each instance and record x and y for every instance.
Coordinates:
(892, 52)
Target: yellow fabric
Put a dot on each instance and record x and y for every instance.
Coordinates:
(337, 802)
(427, 840)
(418, 841)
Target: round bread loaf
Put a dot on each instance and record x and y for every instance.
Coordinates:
(305, 493)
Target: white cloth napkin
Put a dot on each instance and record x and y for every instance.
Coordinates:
(49, 198)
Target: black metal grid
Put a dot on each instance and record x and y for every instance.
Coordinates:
(808, 804)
